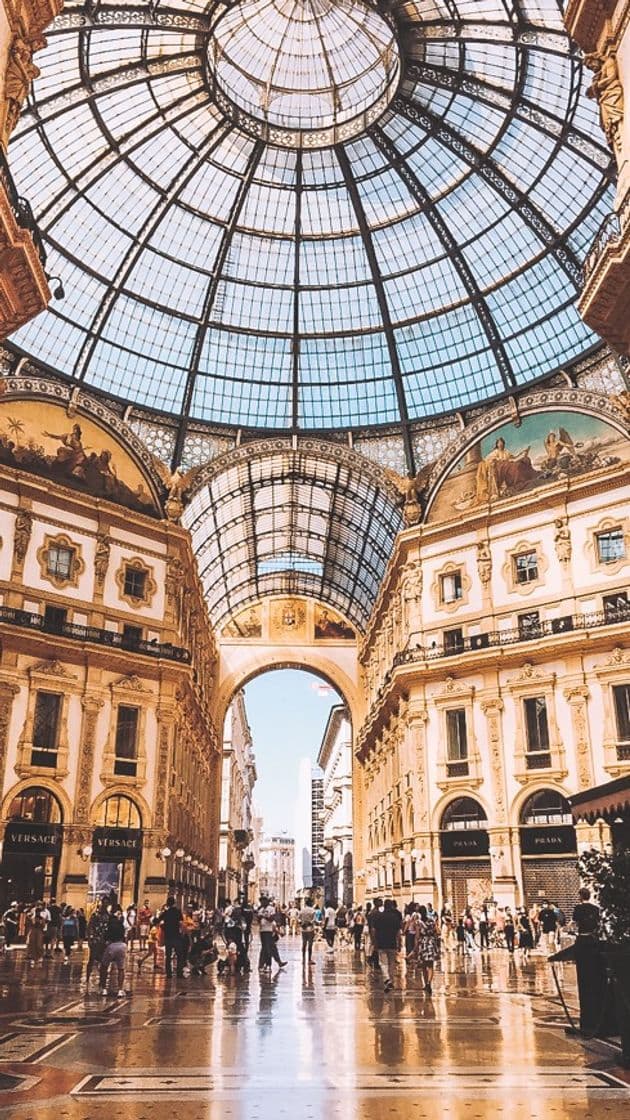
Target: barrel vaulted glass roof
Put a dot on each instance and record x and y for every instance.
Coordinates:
(235, 250)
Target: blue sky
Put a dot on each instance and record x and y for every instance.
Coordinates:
(287, 711)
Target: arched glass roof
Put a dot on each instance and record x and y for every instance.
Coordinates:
(270, 518)
(222, 272)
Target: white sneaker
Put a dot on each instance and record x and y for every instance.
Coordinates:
(121, 993)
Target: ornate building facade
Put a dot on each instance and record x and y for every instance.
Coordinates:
(602, 31)
(497, 678)
(110, 761)
(335, 762)
(237, 784)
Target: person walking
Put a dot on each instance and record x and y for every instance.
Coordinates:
(96, 935)
(387, 927)
(269, 933)
(115, 952)
(307, 926)
(69, 932)
(145, 916)
(171, 922)
(35, 936)
(358, 926)
(427, 947)
(509, 930)
(484, 929)
(525, 935)
(548, 919)
(329, 926)
(11, 919)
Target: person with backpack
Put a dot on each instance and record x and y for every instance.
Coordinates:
(330, 928)
(69, 932)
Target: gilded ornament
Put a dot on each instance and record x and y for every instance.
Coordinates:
(607, 90)
(23, 530)
(101, 557)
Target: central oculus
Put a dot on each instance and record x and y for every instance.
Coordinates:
(308, 72)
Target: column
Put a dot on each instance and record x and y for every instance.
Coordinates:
(8, 690)
(91, 704)
(428, 861)
(576, 696)
(504, 854)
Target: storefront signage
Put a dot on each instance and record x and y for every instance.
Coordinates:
(548, 840)
(464, 843)
(116, 844)
(40, 839)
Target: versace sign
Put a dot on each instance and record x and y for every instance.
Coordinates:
(116, 844)
(40, 839)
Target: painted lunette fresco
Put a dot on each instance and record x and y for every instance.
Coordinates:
(513, 460)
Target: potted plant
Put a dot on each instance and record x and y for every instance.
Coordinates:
(608, 875)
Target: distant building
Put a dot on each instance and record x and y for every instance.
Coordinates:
(276, 872)
(335, 760)
(237, 784)
(317, 830)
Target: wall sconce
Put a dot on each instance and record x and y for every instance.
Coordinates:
(187, 859)
(195, 863)
(85, 852)
(179, 852)
(401, 853)
(58, 291)
(163, 853)
(415, 854)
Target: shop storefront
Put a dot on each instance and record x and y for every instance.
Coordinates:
(116, 852)
(465, 855)
(548, 851)
(31, 847)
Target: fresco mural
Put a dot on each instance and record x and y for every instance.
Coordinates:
(38, 436)
(329, 625)
(247, 624)
(288, 620)
(514, 460)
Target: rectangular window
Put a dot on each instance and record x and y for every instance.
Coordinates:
(456, 738)
(451, 587)
(131, 635)
(525, 567)
(610, 546)
(529, 625)
(453, 640)
(616, 606)
(135, 582)
(126, 741)
(55, 618)
(46, 722)
(621, 693)
(59, 561)
(537, 732)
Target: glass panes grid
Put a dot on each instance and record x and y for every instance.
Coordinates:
(291, 522)
(248, 285)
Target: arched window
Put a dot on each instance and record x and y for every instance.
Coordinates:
(36, 804)
(119, 812)
(463, 813)
(546, 807)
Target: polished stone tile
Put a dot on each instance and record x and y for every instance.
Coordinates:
(318, 1045)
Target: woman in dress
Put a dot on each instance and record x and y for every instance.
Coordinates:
(427, 947)
(35, 936)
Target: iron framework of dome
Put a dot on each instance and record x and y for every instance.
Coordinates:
(320, 279)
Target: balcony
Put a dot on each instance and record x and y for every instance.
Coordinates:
(517, 636)
(605, 296)
(111, 638)
(24, 289)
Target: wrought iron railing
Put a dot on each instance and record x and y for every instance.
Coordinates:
(500, 638)
(21, 207)
(80, 633)
(610, 230)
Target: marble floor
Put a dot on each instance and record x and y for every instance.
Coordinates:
(321, 1045)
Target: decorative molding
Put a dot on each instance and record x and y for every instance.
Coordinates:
(508, 568)
(77, 563)
(436, 587)
(51, 668)
(592, 552)
(150, 586)
(91, 705)
(22, 536)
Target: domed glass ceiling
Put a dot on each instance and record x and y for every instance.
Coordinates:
(216, 273)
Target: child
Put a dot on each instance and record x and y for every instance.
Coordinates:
(152, 941)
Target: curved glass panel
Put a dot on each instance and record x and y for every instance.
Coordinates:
(427, 264)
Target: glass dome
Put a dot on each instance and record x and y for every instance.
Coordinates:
(425, 264)
(305, 66)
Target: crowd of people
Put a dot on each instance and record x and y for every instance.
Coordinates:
(190, 939)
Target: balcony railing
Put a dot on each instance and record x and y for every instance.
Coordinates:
(111, 638)
(22, 210)
(610, 230)
(501, 638)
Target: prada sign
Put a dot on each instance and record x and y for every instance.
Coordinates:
(548, 840)
(464, 843)
(115, 844)
(40, 839)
